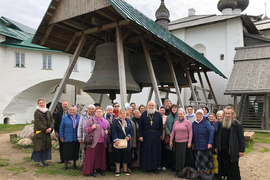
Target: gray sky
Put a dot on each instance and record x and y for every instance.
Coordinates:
(30, 12)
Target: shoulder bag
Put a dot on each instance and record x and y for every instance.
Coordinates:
(88, 139)
(122, 142)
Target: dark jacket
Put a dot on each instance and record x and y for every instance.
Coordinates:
(67, 131)
(202, 134)
(42, 121)
(236, 141)
(58, 120)
(117, 132)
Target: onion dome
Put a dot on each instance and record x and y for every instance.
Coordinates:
(226, 4)
(162, 12)
(242, 4)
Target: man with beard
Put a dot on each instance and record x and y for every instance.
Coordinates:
(150, 134)
(168, 104)
(58, 119)
(230, 145)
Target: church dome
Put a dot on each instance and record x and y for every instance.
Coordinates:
(242, 4)
(162, 12)
(226, 4)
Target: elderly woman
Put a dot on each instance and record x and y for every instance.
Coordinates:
(168, 130)
(68, 135)
(109, 114)
(190, 114)
(162, 112)
(216, 124)
(202, 143)
(86, 115)
(43, 126)
(122, 129)
(182, 134)
(142, 108)
(95, 156)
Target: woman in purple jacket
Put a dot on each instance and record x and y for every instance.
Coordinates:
(95, 156)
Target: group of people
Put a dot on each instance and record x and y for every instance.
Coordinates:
(143, 138)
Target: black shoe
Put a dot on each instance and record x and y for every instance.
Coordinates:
(74, 167)
(156, 171)
(40, 164)
(102, 173)
(65, 168)
(44, 163)
(94, 173)
(173, 170)
(61, 162)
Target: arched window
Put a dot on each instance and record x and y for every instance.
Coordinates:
(200, 48)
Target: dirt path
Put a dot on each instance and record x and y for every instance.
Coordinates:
(253, 166)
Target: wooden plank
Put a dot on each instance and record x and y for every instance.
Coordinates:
(201, 82)
(107, 14)
(150, 95)
(151, 72)
(191, 88)
(121, 67)
(46, 35)
(266, 122)
(70, 43)
(210, 86)
(91, 48)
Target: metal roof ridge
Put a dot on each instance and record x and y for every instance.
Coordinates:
(204, 16)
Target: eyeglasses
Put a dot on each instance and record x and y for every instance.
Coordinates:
(116, 106)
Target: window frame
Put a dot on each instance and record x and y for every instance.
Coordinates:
(21, 65)
(47, 61)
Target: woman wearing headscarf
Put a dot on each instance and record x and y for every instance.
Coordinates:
(68, 135)
(86, 115)
(95, 156)
(206, 112)
(162, 111)
(182, 134)
(43, 126)
(109, 116)
(122, 155)
(116, 109)
(190, 115)
(168, 130)
(202, 142)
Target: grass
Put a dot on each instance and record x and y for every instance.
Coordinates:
(265, 150)
(4, 162)
(17, 170)
(258, 138)
(11, 127)
(56, 169)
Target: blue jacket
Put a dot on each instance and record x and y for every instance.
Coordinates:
(66, 129)
(117, 132)
(202, 134)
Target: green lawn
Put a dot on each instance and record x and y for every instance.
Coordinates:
(258, 138)
(11, 127)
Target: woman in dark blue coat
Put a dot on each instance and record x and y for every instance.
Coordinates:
(121, 155)
(202, 143)
(68, 135)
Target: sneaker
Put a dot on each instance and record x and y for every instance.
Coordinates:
(102, 173)
(164, 168)
(117, 174)
(127, 173)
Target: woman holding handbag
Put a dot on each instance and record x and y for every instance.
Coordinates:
(95, 156)
(122, 132)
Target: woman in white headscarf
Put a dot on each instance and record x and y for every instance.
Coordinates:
(190, 115)
(43, 126)
(86, 115)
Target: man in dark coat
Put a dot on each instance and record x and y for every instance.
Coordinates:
(230, 145)
(150, 134)
(58, 119)
(168, 104)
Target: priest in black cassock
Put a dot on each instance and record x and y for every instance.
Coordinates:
(150, 133)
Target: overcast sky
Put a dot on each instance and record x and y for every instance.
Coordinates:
(30, 12)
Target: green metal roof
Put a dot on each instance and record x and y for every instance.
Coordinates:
(129, 12)
(18, 35)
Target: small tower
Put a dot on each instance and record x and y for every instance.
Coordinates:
(241, 6)
(162, 16)
(226, 6)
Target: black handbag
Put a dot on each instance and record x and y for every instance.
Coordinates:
(88, 139)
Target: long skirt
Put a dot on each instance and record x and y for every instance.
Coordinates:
(83, 148)
(71, 150)
(203, 160)
(42, 155)
(95, 158)
(121, 156)
(183, 155)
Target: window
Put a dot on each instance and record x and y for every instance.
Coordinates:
(75, 67)
(19, 59)
(222, 57)
(78, 91)
(47, 61)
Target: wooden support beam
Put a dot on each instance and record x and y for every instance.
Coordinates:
(201, 82)
(151, 72)
(129, 97)
(100, 99)
(104, 27)
(91, 48)
(150, 95)
(235, 103)
(46, 35)
(70, 43)
(121, 67)
(174, 79)
(108, 14)
(127, 35)
(67, 74)
(266, 118)
(191, 88)
(210, 86)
